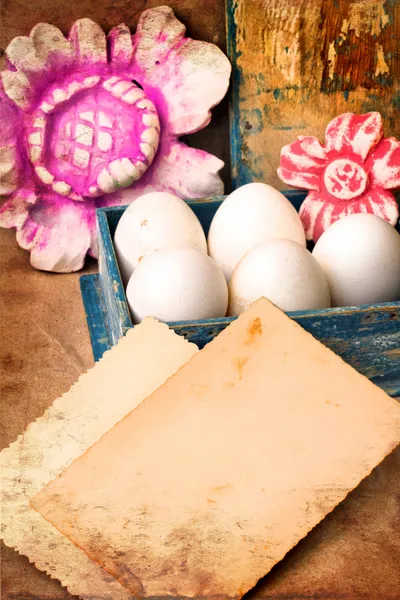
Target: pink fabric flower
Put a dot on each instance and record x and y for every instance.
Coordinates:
(352, 173)
(90, 121)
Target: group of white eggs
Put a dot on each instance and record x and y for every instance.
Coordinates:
(256, 247)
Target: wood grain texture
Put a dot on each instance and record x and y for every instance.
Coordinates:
(299, 63)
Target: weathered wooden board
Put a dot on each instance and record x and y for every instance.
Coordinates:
(299, 63)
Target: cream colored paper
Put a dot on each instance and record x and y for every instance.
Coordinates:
(222, 470)
(127, 374)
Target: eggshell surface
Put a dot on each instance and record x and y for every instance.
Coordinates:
(360, 255)
(179, 284)
(155, 221)
(282, 271)
(252, 214)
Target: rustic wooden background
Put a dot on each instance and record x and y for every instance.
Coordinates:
(355, 553)
(302, 62)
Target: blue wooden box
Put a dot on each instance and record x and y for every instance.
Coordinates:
(367, 337)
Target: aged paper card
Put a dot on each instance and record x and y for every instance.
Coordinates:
(222, 470)
(125, 376)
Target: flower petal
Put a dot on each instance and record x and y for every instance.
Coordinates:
(9, 168)
(51, 46)
(14, 211)
(22, 54)
(336, 133)
(331, 212)
(10, 124)
(317, 213)
(303, 181)
(358, 134)
(187, 172)
(17, 87)
(377, 202)
(192, 76)
(89, 41)
(158, 31)
(45, 51)
(196, 83)
(312, 147)
(9, 175)
(384, 164)
(180, 170)
(57, 232)
(382, 204)
(302, 163)
(309, 212)
(10, 165)
(120, 44)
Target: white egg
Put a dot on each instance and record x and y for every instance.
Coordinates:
(155, 221)
(250, 215)
(282, 271)
(360, 255)
(179, 284)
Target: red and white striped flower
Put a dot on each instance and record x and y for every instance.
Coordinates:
(351, 173)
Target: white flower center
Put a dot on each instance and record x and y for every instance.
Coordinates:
(345, 179)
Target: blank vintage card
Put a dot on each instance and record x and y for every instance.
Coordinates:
(125, 376)
(222, 470)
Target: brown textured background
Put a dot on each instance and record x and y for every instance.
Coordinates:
(353, 555)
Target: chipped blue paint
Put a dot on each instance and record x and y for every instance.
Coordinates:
(241, 173)
(96, 314)
(118, 320)
(367, 337)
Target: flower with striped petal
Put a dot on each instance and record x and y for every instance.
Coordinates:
(91, 121)
(353, 172)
